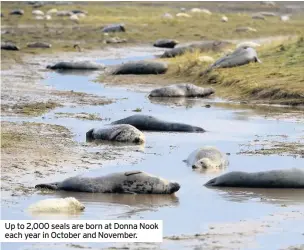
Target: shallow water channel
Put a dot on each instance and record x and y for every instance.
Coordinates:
(194, 207)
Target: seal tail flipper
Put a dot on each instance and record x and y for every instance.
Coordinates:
(51, 186)
(258, 60)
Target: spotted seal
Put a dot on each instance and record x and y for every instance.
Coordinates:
(118, 133)
(137, 182)
(150, 123)
(286, 178)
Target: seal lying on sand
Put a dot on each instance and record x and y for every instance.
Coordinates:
(9, 46)
(207, 158)
(114, 28)
(137, 182)
(201, 46)
(289, 178)
(150, 123)
(41, 45)
(181, 90)
(119, 133)
(141, 68)
(241, 56)
(81, 65)
(165, 43)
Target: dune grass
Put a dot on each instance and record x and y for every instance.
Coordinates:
(279, 79)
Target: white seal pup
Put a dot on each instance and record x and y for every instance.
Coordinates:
(207, 157)
(150, 123)
(181, 90)
(119, 133)
(285, 178)
(132, 182)
(69, 204)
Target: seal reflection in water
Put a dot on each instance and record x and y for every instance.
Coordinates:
(290, 178)
(150, 123)
(134, 182)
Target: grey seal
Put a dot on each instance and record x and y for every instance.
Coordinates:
(181, 90)
(150, 123)
(40, 45)
(241, 56)
(17, 12)
(201, 46)
(165, 43)
(79, 12)
(207, 157)
(137, 182)
(119, 133)
(9, 46)
(287, 178)
(81, 65)
(141, 68)
(114, 28)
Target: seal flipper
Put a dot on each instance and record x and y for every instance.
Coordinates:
(51, 186)
(132, 172)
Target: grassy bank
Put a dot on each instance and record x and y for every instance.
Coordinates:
(278, 80)
(143, 21)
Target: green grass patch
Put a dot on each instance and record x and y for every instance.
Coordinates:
(35, 109)
(9, 139)
(279, 79)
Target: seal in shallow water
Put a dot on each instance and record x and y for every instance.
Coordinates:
(81, 65)
(181, 90)
(124, 182)
(207, 158)
(141, 68)
(150, 123)
(286, 178)
(119, 133)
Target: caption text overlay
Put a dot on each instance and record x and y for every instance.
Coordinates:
(81, 230)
